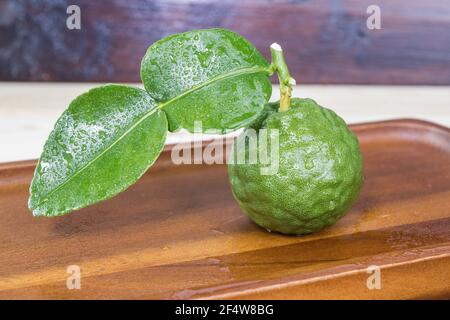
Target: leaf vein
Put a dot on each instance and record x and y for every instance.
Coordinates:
(228, 75)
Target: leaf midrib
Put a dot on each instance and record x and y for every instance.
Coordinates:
(159, 106)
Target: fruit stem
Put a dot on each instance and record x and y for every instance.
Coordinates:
(286, 81)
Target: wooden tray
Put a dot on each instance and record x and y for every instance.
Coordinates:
(179, 234)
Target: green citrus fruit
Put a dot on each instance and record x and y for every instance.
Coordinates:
(320, 170)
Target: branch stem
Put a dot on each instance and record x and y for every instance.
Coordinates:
(286, 81)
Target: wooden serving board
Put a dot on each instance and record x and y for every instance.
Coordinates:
(178, 233)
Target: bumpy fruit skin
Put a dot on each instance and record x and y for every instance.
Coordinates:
(320, 171)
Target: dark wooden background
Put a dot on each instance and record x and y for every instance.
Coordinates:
(326, 41)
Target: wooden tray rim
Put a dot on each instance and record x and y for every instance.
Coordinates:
(362, 126)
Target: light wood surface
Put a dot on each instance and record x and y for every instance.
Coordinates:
(178, 233)
(29, 110)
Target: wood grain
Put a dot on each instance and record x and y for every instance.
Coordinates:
(178, 234)
(325, 41)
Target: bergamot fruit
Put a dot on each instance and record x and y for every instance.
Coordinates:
(320, 170)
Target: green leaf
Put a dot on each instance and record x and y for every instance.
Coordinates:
(214, 76)
(101, 144)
